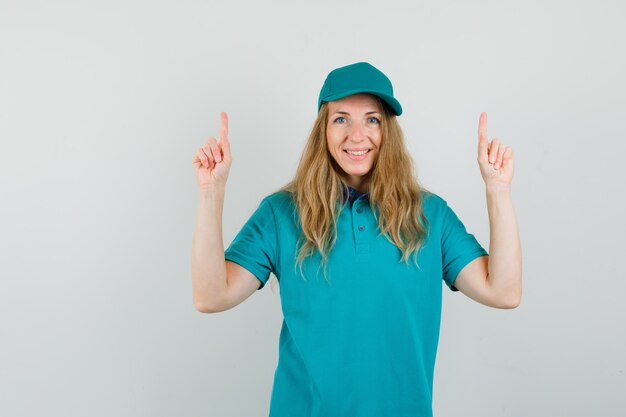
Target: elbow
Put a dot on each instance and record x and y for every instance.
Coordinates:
(204, 307)
(511, 302)
(509, 298)
(510, 305)
(208, 300)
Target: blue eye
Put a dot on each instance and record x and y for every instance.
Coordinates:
(373, 120)
(340, 119)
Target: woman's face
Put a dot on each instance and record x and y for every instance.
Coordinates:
(354, 126)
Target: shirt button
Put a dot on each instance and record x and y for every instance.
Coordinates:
(359, 209)
(361, 227)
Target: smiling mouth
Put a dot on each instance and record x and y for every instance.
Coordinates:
(359, 153)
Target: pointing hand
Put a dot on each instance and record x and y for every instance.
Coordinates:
(212, 161)
(494, 159)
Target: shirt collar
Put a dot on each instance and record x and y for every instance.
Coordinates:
(352, 193)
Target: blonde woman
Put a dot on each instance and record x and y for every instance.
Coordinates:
(360, 250)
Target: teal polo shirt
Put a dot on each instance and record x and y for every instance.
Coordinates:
(364, 342)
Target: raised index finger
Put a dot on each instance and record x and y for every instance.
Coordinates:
(224, 129)
(482, 126)
(483, 142)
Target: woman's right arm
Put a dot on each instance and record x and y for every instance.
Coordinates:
(208, 270)
(217, 284)
(208, 267)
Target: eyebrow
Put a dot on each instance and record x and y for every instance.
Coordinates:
(345, 112)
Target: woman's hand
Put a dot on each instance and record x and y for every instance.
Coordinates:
(495, 159)
(212, 161)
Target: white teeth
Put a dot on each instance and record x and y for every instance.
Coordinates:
(357, 153)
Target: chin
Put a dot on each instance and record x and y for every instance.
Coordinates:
(359, 172)
(362, 175)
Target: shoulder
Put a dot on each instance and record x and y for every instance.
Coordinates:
(431, 201)
(436, 208)
(279, 202)
(278, 198)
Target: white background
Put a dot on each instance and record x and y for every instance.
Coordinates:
(103, 104)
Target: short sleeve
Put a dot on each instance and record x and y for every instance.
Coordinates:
(254, 247)
(458, 247)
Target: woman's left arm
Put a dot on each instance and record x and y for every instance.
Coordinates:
(495, 280)
(505, 250)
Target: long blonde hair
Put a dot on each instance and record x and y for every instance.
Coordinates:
(394, 192)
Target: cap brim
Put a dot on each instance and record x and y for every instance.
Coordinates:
(392, 102)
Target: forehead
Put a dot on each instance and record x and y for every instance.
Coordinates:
(355, 102)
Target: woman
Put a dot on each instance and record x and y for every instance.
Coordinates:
(360, 250)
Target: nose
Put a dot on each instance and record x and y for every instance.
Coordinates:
(357, 132)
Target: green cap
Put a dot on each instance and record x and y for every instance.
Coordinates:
(361, 77)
